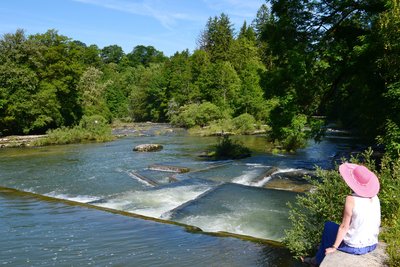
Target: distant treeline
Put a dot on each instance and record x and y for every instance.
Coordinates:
(297, 60)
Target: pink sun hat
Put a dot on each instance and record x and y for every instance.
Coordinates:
(361, 180)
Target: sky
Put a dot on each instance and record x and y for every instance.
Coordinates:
(168, 25)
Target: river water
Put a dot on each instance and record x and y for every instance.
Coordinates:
(225, 196)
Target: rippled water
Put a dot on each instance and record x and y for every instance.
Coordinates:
(226, 196)
(41, 233)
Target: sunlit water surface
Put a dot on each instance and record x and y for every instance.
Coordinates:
(226, 196)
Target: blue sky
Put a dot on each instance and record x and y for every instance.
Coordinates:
(168, 25)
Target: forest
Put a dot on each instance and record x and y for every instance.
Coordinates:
(298, 65)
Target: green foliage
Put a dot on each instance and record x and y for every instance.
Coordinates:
(244, 124)
(217, 38)
(91, 128)
(92, 91)
(147, 100)
(294, 136)
(311, 210)
(391, 139)
(196, 114)
(111, 54)
(241, 125)
(391, 237)
(220, 84)
(144, 55)
(325, 202)
(39, 81)
(229, 149)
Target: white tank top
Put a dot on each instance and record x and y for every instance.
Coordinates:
(365, 222)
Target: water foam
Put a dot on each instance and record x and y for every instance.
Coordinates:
(246, 178)
(266, 179)
(78, 198)
(232, 223)
(155, 203)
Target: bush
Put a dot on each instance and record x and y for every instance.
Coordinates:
(196, 114)
(244, 124)
(311, 210)
(294, 136)
(325, 202)
(391, 139)
(92, 128)
(228, 149)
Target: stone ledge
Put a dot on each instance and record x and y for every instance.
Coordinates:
(377, 257)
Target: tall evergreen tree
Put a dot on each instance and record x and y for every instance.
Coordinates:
(217, 38)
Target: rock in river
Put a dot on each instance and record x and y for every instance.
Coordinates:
(148, 148)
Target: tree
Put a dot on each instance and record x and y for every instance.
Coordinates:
(217, 38)
(247, 33)
(144, 55)
(220, 85)
(148, 100)
(179, 76)
(92, 91)
(27, 104)
(251, 96)
(389, 68)
(62, 71)
(112, 54)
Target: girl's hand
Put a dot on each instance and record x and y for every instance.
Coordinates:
(330, 250)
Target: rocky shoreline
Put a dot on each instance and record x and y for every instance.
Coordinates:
(19, 140)
(118, 130)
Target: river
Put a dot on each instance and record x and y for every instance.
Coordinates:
(225, 196)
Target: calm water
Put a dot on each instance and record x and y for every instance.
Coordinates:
(226, 196)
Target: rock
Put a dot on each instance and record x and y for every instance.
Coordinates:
(148, 148)
(288, 185)
(168, 168)
(290, 180)
(297, 175)
(267, 173)
(377, 258)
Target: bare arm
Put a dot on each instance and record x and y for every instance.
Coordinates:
(344, 226)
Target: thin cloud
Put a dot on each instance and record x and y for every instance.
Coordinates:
(167, 19)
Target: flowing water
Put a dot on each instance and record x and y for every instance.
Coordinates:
(225, 196)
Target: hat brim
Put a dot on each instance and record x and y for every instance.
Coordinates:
(370, 190)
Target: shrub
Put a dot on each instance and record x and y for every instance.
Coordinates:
(308, 214)
(244, 124)
(196, 114)
(294, 136)
(228, 149)
(91, 128)
(391, 139)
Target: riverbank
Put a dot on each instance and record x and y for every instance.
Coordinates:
(19, 140)
(118, 130)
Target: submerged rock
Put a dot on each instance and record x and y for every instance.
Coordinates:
(168, 168)
(148, 148)
(291, 180)
(296, 175)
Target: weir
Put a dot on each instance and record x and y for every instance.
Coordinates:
(188, 228)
